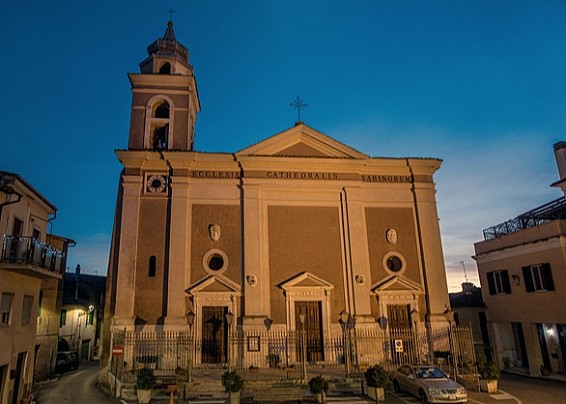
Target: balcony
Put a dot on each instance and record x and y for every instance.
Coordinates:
(32, 256)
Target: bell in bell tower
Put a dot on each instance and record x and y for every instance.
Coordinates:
(165, 100)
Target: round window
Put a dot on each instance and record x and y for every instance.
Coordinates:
(215, 261)
(394, 262)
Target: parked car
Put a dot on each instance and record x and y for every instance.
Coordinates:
(429, 384)
(66, 360)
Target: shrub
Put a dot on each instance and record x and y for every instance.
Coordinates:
(377, 376)
(318, 384)
(145, 379)
(488, 370)
(232, 382)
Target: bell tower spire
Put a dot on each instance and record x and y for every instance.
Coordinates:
(165, 100)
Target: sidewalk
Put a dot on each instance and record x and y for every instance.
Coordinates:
(349, 396)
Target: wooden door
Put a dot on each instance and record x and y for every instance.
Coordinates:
(312, 329)
(214, 334)
(399, 316)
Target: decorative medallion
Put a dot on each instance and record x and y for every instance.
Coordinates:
(252, 280)
(214, 232)
(391, 236)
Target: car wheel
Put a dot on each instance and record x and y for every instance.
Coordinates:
(396, 386)
(423, 397)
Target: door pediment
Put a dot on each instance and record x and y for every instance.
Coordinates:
(396, 284)
(305, 280)
(301, 141)
(214, 284)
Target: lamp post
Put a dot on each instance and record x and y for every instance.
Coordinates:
(345, 322)
(229, 319)
(302, 319)
(191, 321)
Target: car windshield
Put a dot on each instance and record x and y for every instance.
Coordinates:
(429, 373)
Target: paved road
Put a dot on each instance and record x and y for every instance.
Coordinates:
(75, 387)
(78, 387)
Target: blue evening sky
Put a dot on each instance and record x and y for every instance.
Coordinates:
(478, 84)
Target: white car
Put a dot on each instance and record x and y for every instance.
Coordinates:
(429, 384)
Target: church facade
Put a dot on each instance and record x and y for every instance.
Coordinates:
(298, 231)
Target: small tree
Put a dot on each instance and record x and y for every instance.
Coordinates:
(232, 382)
(488, 370)
(145, 379)
(377, 376)
(318, 384)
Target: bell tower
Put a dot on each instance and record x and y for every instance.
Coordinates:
(165, 100)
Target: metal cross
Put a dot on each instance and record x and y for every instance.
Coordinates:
(171, 11)
(298, 104)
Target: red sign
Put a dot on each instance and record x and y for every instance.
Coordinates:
(117, 350)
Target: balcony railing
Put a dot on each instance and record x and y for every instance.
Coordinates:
(27, 250)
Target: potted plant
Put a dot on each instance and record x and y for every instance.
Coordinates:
(544, 370)
(318, 386)
(489, 374)
(145, 380)
(232, 383)
(377, 378)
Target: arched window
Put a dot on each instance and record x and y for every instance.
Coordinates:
(160, 137)
(152, 266)
(165, 69)
(159, 123)
(162, 110)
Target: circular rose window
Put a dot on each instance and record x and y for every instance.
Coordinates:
(394, 262)
(215, 260)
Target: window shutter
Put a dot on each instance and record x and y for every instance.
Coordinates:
(505, 281)
(547, 281)
(528, 277)
(491, 283)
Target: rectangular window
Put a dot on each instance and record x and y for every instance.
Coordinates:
(26, 309)
(63, 319)
(39, 303)
(90, 318)
(6, 308)
(538, 278)
(498, 282)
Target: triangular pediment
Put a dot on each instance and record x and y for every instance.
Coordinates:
(302, 141)
(305, 280)
(396, 284)
(214, 284)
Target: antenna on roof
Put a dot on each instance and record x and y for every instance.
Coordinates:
(464, 268)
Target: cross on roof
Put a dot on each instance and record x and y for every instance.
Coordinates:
(298, 104)
(171, 11)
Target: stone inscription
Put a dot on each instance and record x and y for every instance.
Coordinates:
(297, 175)
(292, 175)
(386, 178)
(215, 174)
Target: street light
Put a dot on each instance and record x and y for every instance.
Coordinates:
(229, 319)
(345, 322)
(191, 321)
(302, 319)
